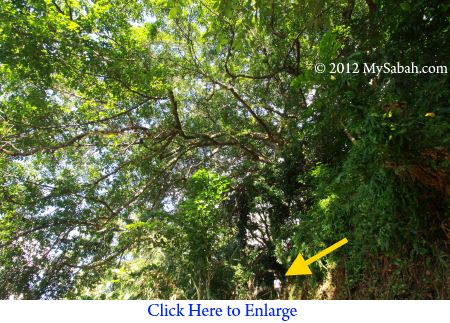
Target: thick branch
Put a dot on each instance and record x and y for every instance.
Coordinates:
(372, 6)
(72, 141)
(178, 125)
(248, 108)
(348, 134)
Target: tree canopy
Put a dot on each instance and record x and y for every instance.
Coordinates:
(188, 148)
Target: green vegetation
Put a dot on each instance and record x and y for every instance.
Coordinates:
(187, 149)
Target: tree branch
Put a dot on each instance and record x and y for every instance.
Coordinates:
(175, 114)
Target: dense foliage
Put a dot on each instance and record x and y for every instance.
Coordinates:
(188, 149)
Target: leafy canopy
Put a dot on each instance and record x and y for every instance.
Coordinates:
(187, 149)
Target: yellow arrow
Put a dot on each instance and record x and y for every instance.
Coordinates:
(300, 265)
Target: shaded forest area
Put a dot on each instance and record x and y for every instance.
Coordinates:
(189, 150)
